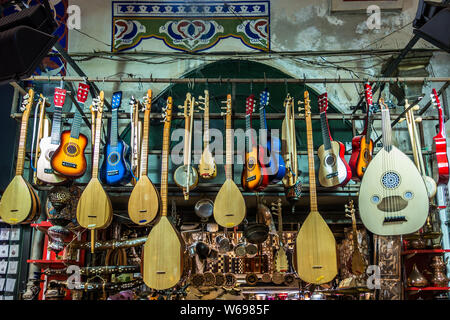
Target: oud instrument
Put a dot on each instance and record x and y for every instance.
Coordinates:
(94, 209)
(19, 202)
(281, 260)
(334, 170)
(49, 145)
(69, 159)
(143, 204)
(207, 167)
(229, 205)
(362, 145)
(440, 161)
(357, 263)
(393, 198)
(186, 176)
(315, 247)
(163, 250)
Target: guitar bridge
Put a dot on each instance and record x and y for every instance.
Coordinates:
(398, 219)
(69, 164)
(113, 172)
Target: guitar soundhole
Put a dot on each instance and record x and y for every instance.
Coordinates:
(251, 163)
(71, 149)
(366, 155)
(390, 180)
(330, 160)
(113, 159)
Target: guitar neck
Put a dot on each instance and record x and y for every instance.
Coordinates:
(326, 136)
(368, 129)
(56, 125)
(76, 124)
(312, 173)
(262, 118)
(165, 164)
(144, 145)
(386, 128)
(206, 136)
(22, 143)
(229, 151)
(114, 128)
(441, 122)
(96, 154)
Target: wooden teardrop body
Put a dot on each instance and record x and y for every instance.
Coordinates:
(94, 210)
(229, 205)
(393, 198)
(207, 168)
(143, 205)
(163, 256)
(16, 202)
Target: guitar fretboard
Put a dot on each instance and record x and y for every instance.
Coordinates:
(165, 159)
(229, 142)
(76, 124)
(114, 128)
(325, 131)
(22, 142)
(312, 173)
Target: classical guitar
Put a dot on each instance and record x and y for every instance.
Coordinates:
(116, 168)
(186, 176)
(162, 266)
(430, 184)
(143, 204)
(334, 170)
(94, 209)
(19, 202)
(69, 159)
(207, 167)
(229, 205)
(315, 247)
(49, 145)
(252, 174)
(440, 161)
(362, 145)
(281, 260)
(356, 263)
(291, 180)
(270, 148)
(393, 199)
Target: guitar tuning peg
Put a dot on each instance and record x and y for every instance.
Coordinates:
(201, 98)
(181, 114)
(180, 107)
(223, 114)
(201, 108)
(419, 119)
(300, 102)
(224, 101)
(301, 114)
(300, 109)
(401, 120)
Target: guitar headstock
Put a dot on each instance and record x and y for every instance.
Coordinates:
(186, 106)
(59, 97)
(323, 102)
(264, 98)
(277, 206)
(82, 93)
(167, 111)
(307, 104)
(203, 100)
(250, 104)
(227, 108)
(287, 101)
(98, 103)
(350, 208)
(27, 102)
(383, 105)
(435, 98)
(147, 100)
(368, 95)
(116, 100)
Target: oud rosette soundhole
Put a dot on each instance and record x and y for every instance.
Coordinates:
(71, 149)
(390, 180)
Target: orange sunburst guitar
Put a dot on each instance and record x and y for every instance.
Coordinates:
(163, 251)
(94, 210)
(143, 205)
(315, 247)
(19, 202)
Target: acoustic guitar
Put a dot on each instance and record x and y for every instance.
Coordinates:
(356, 263)
(116, 168)
(94, 209)
(186, 176)
(252, 173)
(440, 161)
(362, 145)
(19, 202)
(334, 170)
(229, 205)
(49, 145)
(143, 204)
(393, 199)
(281, 260)
(69, 159)
(207, 167)
(315, 247)
(163, 251)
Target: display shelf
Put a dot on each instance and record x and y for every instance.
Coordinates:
(427, 288)
(425, 251)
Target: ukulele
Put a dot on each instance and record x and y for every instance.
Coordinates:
(116, 169)
(69, 159)
(207, 167)
(163, 250)
(49, 145)
(229, 205)
(252, 175)
(430, 184)
(362, 145)
(274, 167)
(334, 170)
(19, 202)
(281, 260)
(94, 209)
(186, 176)
(291, 180)
(315, 247)
(356, 263)
(143, 204)
(440, 161)
(393, 198)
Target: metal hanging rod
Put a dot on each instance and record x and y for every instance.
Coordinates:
(237, 80)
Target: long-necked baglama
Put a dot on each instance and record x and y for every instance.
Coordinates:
(229, 205)
(356, 262)
(315, 247)
(163, 250)
(19, 202)
(393, 199)
(94, 210)
(143, 204)
(207, 168)
(281, 260)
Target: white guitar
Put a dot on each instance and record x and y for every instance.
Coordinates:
(393, 199)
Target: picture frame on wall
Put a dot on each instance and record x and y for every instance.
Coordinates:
(361, 5)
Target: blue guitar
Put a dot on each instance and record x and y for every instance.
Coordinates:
(275, 167)
(115, 169)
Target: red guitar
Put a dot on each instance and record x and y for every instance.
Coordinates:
(440, 163)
